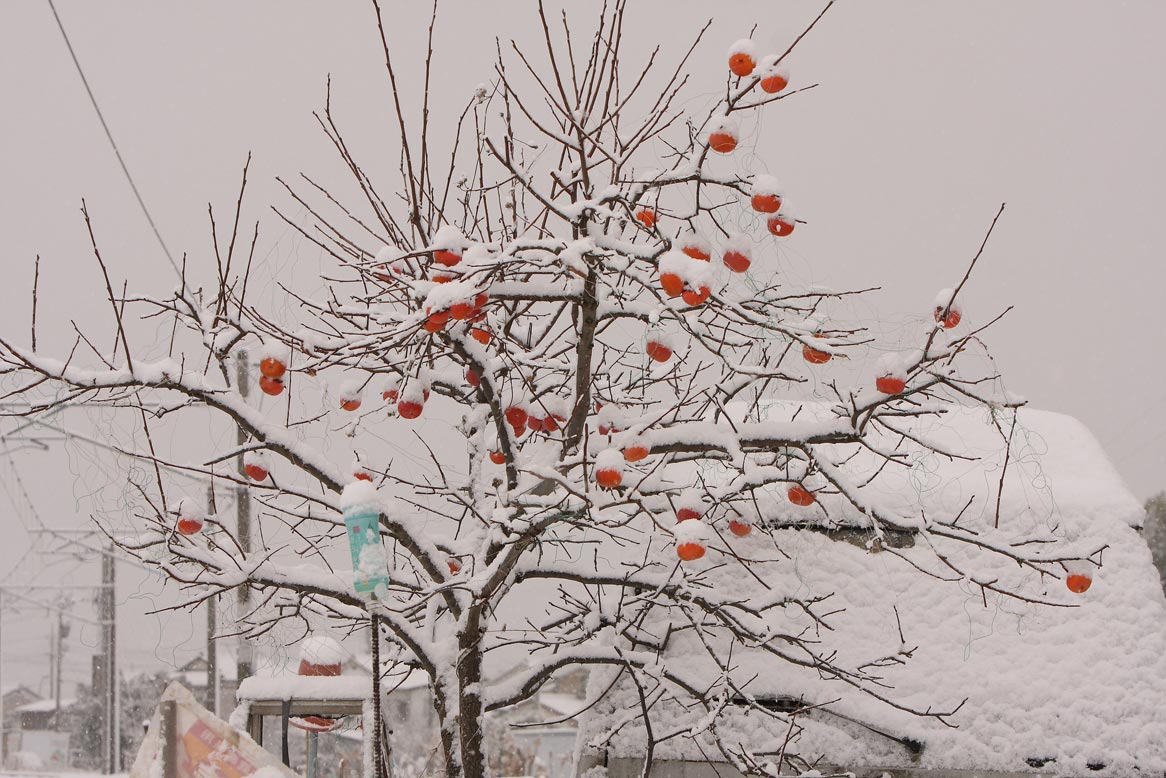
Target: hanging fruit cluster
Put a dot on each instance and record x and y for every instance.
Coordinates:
(272, 368)
(768, 199)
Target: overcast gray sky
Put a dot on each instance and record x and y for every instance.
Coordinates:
(929, 115)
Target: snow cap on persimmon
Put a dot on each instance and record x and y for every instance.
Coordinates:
(742, 57)
(191, 515)
(692, 538)
(689, 505)
(442, 297)
(551, 410)
(948, 311)
(896, 364)
(448, 245)
(350, 392)
(692, 273)
(412, 396)
(723, 134)
(766, 195)
(774, 77)
(257, 465)
(660, 344)
(608, 468)
(1078, 575)
(782, 223)
(893, 370)
(359, 470)
(738, 254)
(273, 358)
(189, 508)
(693, 245)
(610, 419)
(390, 389)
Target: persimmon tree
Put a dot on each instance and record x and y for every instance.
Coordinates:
(575, 315)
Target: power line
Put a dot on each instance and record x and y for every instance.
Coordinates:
(112, 143)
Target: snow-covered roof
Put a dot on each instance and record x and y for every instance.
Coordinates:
(45, 706)
(304, 687)
(1071, 689)
(1057, 473)
(399, 678)
(562, 704)
(9, 688)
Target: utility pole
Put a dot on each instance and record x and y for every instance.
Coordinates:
(106, 677)
(57, 661)
(212, 659)
(243, 518)
(18, 595)
(212, 654)
(111, 726)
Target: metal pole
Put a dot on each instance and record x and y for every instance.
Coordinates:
(313, 750)
(243, 518)
(52, 660)
(212, 654)
(167, 733)
(60, 643)
(212, 658)
(112, 691)
(107, 692)
(380, 765)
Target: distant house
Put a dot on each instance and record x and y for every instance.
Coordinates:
(1066, 691)
(43, 714)
(194, 674)
(14, 697)
(538, 734)
(11, 698)
(545, 727)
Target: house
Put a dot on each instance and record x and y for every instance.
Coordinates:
(42, 714)
(536, 737)
(1076, 688)
(193, 675)
(11, 698)
(545, 727)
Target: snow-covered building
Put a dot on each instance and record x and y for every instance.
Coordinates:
(12, 697)
(195, 674)
(1050, 681)
(536, 737)
(44, 714)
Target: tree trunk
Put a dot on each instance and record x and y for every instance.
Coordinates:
(449, 741)
(472, 735)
